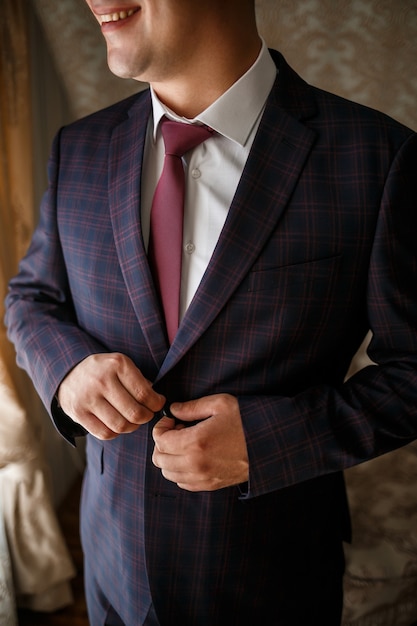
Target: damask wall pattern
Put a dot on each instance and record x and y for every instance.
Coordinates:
(79, 52)
(364, 50)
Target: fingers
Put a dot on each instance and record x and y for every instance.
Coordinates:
(137, 386)
(109, 425)
(108, 395)
(172, 454)
(209, 455)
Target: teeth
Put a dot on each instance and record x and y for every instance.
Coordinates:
(115, 17)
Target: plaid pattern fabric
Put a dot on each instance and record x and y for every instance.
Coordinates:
(318, 247)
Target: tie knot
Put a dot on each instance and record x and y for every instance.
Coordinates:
(179, 138)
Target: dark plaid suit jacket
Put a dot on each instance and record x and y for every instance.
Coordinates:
(319, 246)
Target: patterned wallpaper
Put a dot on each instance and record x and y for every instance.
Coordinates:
(79, 52)
(365, 50)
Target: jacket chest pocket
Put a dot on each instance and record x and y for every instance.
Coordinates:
(309, 278)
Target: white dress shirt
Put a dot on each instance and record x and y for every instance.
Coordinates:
(212, 170)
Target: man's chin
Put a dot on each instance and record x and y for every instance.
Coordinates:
(119, 67)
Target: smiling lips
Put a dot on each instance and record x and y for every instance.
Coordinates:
(117, 16)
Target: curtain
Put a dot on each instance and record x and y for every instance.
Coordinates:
(40, 563)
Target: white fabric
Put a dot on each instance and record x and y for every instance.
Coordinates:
(32, 541)
(41, 564)
(8, 615)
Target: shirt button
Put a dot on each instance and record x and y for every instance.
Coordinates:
(189, 247)
(196, 173)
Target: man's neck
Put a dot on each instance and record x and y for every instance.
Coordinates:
(193, 91)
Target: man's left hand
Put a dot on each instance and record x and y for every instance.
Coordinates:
(209, 454)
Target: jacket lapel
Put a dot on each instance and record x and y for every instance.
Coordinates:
(125, 168)
(279, 152)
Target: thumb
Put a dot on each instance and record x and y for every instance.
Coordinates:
(193, 410)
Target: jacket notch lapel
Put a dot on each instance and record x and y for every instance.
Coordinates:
(274, 166)
(125, 167)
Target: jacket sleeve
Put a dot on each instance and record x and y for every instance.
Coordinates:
(39, 312)
(325, 428)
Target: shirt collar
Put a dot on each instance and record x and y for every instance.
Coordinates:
(235, 113)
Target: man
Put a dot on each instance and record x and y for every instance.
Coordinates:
(214, 491)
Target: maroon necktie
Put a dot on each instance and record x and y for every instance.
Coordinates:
(165, 242)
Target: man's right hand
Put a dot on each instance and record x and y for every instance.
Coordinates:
(108, 396)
